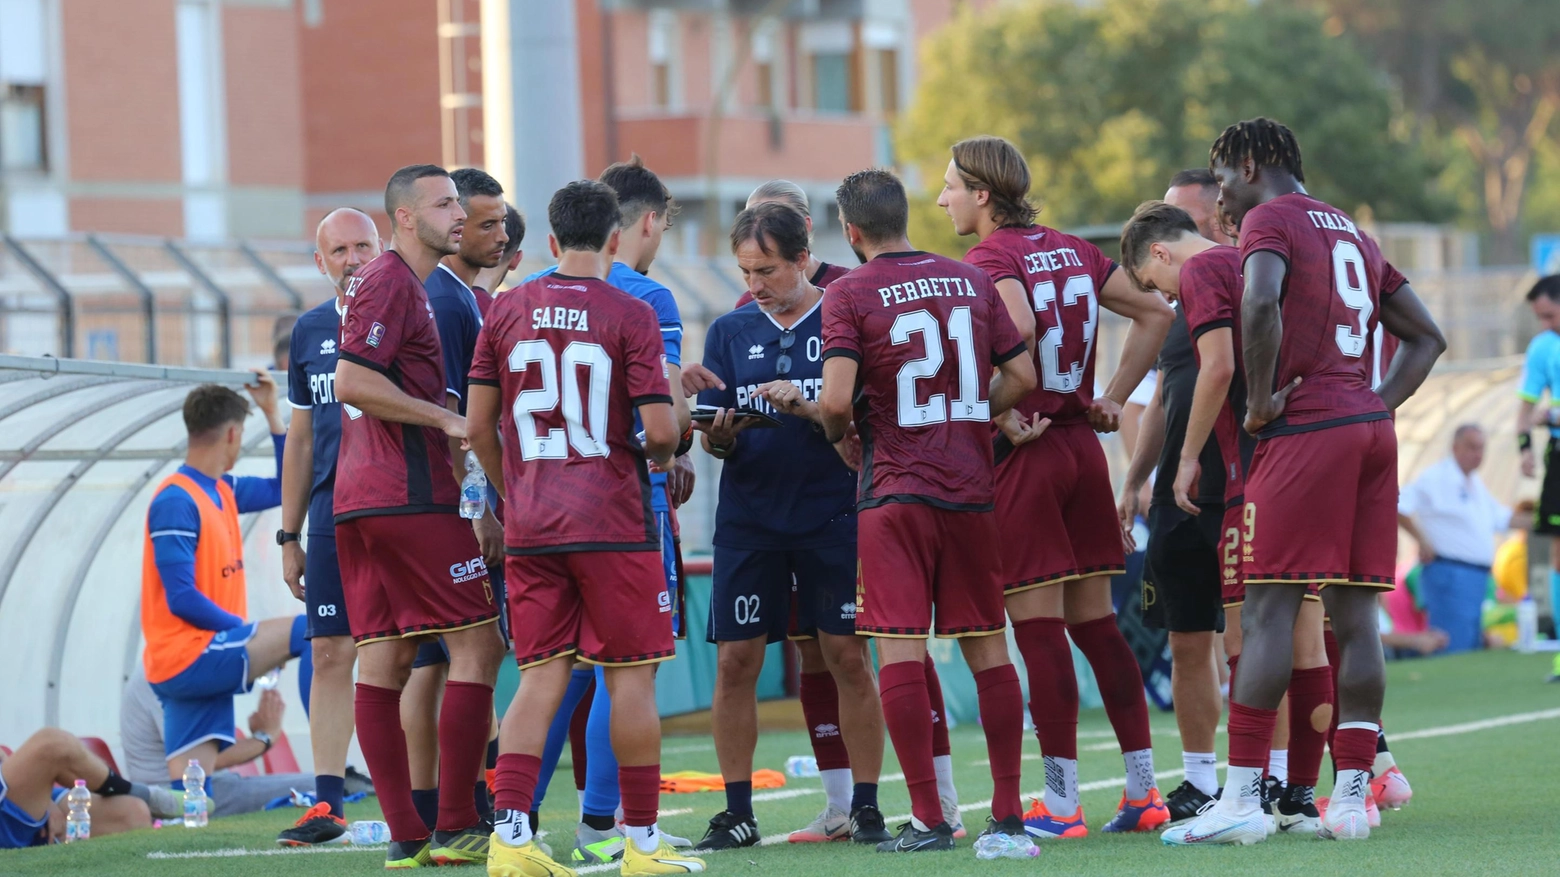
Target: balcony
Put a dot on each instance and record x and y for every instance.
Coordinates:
(753, 146)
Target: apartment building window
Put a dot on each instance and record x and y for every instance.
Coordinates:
(831, 82)
(23, 146)
(23, 71)
(766, 65)
(888, 81)
(663, 58)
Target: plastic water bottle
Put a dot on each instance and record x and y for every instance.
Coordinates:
(801, 766)
(1527, 625)
(369, 831)
(269, 680)
(473, 490)
(196, 803)
(1005, 846)
(78, 823)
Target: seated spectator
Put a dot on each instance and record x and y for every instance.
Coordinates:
(200, 649)
(141, 735)
(40, 772)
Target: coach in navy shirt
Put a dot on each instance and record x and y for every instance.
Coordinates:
(345, 242)
(786, 518)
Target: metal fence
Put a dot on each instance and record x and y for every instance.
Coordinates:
(201, 305)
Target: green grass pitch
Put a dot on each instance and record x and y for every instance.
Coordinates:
(1477, 735)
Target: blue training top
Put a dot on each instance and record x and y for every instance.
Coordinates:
(786, 487)
(458, 319)
(311, 384)
(1541, 368)
(174, 524)
(660, 298)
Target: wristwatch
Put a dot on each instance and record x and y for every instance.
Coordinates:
(265, 738)
(283, 537)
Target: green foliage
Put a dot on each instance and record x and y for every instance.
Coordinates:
(1108, 101)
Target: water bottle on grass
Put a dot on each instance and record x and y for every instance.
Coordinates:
(801, 766)
(196, 804)
(369, 831)
(78, 822)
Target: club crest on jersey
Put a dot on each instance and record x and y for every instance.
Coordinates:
(376, 334)
(327, 347)
(756, 351)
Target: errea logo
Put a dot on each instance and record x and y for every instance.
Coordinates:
(827, 729)
(469, 570)
(848, 611)
(756, 351)
(327, 347)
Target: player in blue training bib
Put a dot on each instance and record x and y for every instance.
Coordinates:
(785, 539)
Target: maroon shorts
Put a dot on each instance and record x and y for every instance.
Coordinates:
(604, 607)
(1232, 548)
(1321, 508)
(914, 558)
(1056, 511)
(407, 575)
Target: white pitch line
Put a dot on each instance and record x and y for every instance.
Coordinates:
(767, 840)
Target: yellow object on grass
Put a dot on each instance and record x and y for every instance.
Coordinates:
(1510, 569)
(699, 781)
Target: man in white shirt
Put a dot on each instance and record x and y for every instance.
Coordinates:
(1455, 520)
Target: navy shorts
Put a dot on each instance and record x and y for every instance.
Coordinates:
(756, 593)
(198, 702)
(327, 607)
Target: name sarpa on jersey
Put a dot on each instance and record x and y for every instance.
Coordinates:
(568, 319)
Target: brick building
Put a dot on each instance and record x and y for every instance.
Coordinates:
(233, 119)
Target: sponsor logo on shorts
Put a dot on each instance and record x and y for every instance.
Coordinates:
(468, 570)
(848, 611)
(826, 730)
(664, 600)
(376, 334)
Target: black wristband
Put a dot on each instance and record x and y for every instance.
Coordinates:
(685, 445)
(1524, 441)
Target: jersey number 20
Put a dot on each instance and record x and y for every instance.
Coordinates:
(585, 424)
(937, 409)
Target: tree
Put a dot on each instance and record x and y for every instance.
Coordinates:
(1108, 101)
(1484, 72)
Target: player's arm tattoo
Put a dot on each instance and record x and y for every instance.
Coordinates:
(1406, 317)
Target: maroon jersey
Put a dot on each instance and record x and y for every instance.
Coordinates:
(572, 358)
(383, 467)
(1062, 276)
(1384, 344)
(1211, 288)
(484, 300)
(825, 275)
(1330, 305)
(927, 331)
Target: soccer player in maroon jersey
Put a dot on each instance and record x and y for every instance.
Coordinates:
(1322, 489)
(410, 564)
(1056, 512)
(562, 364)
(1165, 250)
(920, 335)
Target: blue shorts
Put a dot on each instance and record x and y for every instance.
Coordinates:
(327, 608)
(775, 593)
(198, 703)
(18, 828)
(671, 566)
